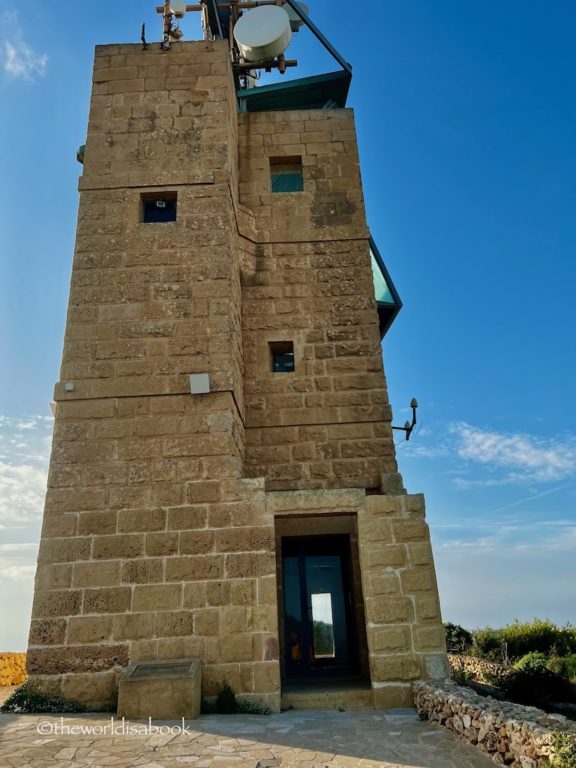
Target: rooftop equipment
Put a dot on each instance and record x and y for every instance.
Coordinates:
(295, 20)
(258, 32)
(263, 33)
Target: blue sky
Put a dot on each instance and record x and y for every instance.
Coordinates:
(467, 122)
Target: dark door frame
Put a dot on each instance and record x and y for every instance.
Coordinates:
(328, 669)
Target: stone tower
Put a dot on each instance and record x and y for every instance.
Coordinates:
(223, 482)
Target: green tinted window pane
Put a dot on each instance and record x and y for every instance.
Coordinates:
(381, 289)
(284, 362)
(288, 181)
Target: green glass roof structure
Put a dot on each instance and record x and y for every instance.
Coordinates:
(387, 298)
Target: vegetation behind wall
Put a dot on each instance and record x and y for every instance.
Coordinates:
(12, 668)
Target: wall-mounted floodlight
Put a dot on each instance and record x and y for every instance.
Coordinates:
(409, 425)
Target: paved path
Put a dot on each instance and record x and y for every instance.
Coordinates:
(358, 739)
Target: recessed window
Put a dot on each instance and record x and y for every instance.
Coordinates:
(158, 208)
(282, 353)
(286, 174)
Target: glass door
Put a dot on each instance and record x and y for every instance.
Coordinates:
(318, 618)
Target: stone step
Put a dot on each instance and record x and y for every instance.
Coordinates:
(328, 698)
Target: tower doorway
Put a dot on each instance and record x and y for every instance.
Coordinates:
(320, 639)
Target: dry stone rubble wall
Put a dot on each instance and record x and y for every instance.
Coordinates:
(511, 734)
(476, 669)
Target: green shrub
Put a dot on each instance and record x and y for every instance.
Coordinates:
(252, 708)
(458, 639)
(488, 644)
(565, 666)
(27, 699)
(226, 703)
(532, 661)
(564, 755)
(519, 639)
(538, 636)
(226, 700)
(537, 687)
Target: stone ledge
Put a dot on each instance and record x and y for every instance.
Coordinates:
(510, 733)
(327, 499)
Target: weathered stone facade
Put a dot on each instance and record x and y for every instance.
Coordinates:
(164, 509)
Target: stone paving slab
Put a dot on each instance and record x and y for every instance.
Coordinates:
(295, 739)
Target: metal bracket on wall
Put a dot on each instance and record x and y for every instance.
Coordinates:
(409, 426)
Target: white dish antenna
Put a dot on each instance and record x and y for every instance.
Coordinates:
(295, 20)
(263, 33)
(178, 8)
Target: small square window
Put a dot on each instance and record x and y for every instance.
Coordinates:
(158, 208)
(286, 174)
(282, 353)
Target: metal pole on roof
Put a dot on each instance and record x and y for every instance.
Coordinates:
(216, 13)
(316, 32)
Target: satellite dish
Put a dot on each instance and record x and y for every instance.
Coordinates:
(178, 8)
(295, 20)
(263, 33)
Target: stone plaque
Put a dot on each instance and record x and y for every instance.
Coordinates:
(162, 690)
(159, 670)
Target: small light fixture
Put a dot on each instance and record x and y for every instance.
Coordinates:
(69, 386)
(409, 425)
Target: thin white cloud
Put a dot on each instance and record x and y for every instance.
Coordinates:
(18, 60)
(464, 483)
(18, 573)
(24, 452)
(523, 457)
(18, 547)
(477, 457)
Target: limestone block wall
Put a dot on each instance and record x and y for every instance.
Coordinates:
(185, 578)
(150, 304)
(405, 634)
(308, 279)
(163, 508)
(332, 204)
(144, 478)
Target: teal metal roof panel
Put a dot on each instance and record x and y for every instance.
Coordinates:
(319, 92)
